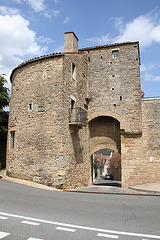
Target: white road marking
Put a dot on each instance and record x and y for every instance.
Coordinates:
(31, 223)
(82, 227)
(3, 234)
(34, 238)
(3, 218)
(66, 229)
(107, 235)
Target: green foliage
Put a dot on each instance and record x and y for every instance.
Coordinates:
(3, 121)
(4, 102)
(4, 96)
(104, 152)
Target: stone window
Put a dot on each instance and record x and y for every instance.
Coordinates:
(73, 74)
(73, 100)
(12, 137)
(115, 53)
(72, 104)
(30, 106)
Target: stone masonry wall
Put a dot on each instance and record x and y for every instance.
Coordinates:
(114, 85)
(78, 170)
(141, 153)
(36, 114)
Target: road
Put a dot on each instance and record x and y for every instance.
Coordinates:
(28, 213)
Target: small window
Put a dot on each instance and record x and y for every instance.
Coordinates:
(115, 53)
(12, 139)
(72, 104)
(73, 72)
(120, 98)
(30, 106)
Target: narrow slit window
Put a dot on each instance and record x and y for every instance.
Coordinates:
(30, 106)
(72, 104)
(120, 98)
(12, 139)
(73, 78)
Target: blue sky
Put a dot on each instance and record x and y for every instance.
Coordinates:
(30, 28)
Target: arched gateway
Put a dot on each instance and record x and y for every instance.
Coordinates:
(104, 133)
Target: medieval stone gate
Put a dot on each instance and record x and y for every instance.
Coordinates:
(49, 139)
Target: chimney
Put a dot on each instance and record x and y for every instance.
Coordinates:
(70, 42)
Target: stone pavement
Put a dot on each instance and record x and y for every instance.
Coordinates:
(100, 186)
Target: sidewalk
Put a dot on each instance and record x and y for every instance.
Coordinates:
(101, 187)
(152, 189)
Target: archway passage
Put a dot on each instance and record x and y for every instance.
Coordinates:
(105, 140)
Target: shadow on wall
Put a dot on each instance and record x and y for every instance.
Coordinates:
(105, 133)
(77, 146)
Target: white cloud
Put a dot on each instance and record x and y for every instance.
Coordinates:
(55, 13)
(105, 39)
(145, 29)
(36, 5)
(150, 77)
(143, 67)
(66, 20)
(39, 6)
(149, 66)
(157, 78)
(6, 10)
(118, 23)
(45, 40)
(17, 40)
(17, 1)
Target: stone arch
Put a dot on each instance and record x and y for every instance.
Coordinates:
(94, 115)
(104, 132)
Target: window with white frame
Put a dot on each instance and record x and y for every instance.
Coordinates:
(115, 53)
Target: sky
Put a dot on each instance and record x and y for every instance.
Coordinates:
(31, 28)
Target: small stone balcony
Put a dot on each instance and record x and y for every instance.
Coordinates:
(77, 117)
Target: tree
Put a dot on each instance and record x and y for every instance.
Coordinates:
(4, 102)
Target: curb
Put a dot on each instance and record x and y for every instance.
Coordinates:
(116, 193)
(139, 192)
(143, 190)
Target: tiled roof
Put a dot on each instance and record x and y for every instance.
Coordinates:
(116, 158)
(107, 45)
(36, 59)
(61, 53)
(41, 57)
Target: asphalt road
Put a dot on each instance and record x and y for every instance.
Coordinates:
(28, 213)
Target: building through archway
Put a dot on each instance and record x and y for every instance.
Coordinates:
(105, 147)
